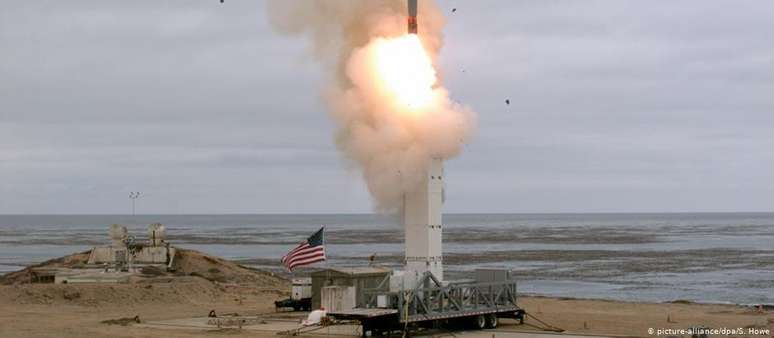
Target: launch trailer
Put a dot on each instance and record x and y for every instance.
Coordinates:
(474, 304)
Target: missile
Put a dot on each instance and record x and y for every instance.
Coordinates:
(412, 16)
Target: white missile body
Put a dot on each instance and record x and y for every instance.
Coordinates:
(412, 16)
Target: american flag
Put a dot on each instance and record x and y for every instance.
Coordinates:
(310, 251)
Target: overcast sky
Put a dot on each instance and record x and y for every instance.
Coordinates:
(616, 106)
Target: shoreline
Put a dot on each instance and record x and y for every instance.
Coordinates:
(278, 272)
(654, 258)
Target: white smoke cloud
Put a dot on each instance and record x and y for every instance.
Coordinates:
(391, 142)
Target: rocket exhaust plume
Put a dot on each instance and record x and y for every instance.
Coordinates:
(383, 91)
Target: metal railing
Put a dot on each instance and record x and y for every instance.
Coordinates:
(431, 300)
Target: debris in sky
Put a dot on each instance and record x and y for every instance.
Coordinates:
(507, 101)
(454, 10)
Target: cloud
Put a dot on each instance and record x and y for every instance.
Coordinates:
(615, 106)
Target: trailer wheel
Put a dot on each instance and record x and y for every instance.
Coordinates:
(491, 321)
(479, 322)
(519, 314)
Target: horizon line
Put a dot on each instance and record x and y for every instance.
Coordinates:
(392, 214)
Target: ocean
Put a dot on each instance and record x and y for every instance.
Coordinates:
(701, 257)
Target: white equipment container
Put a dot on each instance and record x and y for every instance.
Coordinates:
(403, 280)
(337, 298)
(383, 302)
(302, 288)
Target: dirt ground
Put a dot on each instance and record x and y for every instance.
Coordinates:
(48, 310)
(634, 319)
(202, 283)
(56, 310)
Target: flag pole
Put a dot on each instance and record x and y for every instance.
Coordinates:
(323, 242)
